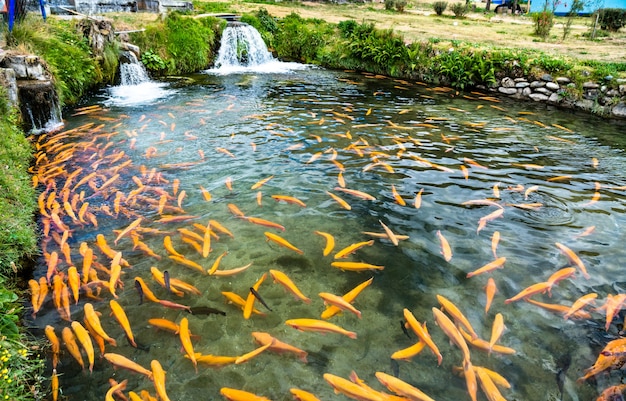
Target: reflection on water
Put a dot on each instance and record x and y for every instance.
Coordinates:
(550, 172)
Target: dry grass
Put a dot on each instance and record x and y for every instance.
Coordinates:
(420, 23)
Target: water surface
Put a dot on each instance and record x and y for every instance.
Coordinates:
(302, 129)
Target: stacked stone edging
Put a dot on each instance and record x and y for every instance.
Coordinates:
(597, 98)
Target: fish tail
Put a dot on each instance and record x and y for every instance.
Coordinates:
(352, 335)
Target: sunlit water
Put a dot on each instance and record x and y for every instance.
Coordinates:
(273, 125)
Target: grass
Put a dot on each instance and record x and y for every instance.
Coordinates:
(519, 28)
(20, 365)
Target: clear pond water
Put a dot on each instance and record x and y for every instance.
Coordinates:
(303, 128)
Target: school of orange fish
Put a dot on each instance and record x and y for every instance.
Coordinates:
(81, 173)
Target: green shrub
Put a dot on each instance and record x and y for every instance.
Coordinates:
(459, 9)
(300, 39)
(389, 4)
(543, 21)
(440, 7)
(66, 53)
(347, 27)
(612, 19)
(182, 43)
(207, 7)
(400, 5)
(153, 62)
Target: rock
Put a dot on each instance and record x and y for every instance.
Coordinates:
(538, 97)
(608, 78)
(520, 80)
(590, 85)
(507, 82)
(522, 85)
(584, 104)
(603, 88)
(553, 86)
(622, 89)
(563, 80)
(591, 94)
(612, 92)
(545, 91)
(18, 64)
(38, 103)
(8, 80)
(554, 98)
(507, 91)
(619, 110)
(526, 92)
(546, 78)
(537, 84)
(34, 68)
(621, 80)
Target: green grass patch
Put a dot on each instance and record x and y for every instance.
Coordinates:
(184, 44)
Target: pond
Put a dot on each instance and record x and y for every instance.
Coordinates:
(441, 166)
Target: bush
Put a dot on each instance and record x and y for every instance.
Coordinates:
(612, 19)
(459, 9)
(401, 5)
(544, 21)
(440, 7)
(389, 4)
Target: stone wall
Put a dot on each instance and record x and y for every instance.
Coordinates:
(606, 98)
(30, 87)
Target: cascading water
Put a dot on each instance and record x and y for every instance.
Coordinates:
(243, 50)
(135, 87)
(132, 72)
(242, 46)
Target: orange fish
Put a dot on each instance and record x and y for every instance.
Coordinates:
(401, 388)
(185, 339)
(356, 266)
(237, 300)
(70, 343)
(301, 395)
(351, 390)
(496, 264)
(339, 302)
(573, 258)
(285, 281)
(289, 199)
(356, 193)
(240, 395)
(580, 303)
(456, 314)
(249, 305)
(446, 325)
(159, 380)
(422, 334)
(341, 202)
(352, 248)
(446, 251)
(246, 357)
(260, 183)
(121, 317)
(94, 322)
(330, 242)
(418, 199)
(319, 326)
(496, 330)
(490, 290)
(495, 239)
(83, 337)
(55, 345)
(282, 242)
(278, 346)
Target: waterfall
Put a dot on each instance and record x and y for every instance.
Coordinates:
(135, 87)
(242, 46)
(132, 72)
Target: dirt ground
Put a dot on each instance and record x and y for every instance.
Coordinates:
(419, 22)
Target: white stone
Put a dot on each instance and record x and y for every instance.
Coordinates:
(619, 110)
(538, 97)
(553, 86)
(507, 91)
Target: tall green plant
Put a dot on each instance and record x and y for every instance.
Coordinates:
(543, 22)
(577, 7)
